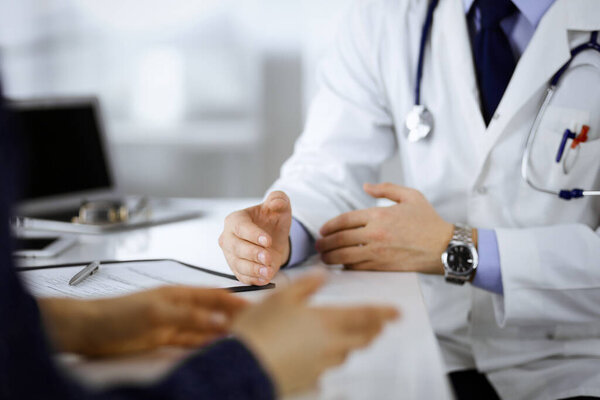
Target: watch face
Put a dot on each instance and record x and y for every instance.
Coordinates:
(460, 259)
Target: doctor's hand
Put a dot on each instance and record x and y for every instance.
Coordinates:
(167, 316)
(407, 236)
(295, 342)
(255, 240)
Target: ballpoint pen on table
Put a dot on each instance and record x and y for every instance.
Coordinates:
(90, 270)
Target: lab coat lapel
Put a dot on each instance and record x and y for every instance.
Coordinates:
(454, 57)
(548, 50)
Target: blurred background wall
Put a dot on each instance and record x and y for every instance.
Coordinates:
(199, 97)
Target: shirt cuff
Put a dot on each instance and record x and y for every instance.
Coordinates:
(302, 244)
(488, 275)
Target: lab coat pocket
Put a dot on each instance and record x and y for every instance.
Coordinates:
(577, 168)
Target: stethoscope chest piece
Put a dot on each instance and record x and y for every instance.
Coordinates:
(419, 123)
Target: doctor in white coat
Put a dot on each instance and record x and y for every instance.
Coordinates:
(528, 317)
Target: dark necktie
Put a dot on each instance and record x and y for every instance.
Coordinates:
(494, 59)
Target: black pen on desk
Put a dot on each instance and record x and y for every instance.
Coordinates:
(90, 270)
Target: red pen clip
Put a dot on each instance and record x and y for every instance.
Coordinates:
(582, 137)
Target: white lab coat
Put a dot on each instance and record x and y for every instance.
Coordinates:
(541, 340)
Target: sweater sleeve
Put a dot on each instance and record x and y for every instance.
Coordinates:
(226, 370)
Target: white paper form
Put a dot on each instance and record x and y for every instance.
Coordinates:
(119, 279)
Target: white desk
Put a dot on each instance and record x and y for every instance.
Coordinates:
(403, 363)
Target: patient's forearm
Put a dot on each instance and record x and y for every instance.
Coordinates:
(65, 321)
(167, 316)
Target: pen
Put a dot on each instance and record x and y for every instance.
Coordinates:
(84, 273)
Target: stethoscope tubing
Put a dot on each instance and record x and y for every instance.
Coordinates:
(530, 140)
(423, 116)
(565, 194)
(591, 44)
(424, 36)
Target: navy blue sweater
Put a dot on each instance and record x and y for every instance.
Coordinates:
(226, 370)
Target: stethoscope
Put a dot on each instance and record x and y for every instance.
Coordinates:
(577, 139)
(419, 120)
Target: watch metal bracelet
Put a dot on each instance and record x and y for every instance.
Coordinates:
(457, 280)
(462, 233)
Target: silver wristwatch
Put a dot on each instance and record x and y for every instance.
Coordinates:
(460, 258)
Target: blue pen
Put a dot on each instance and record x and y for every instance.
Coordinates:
(561, 149)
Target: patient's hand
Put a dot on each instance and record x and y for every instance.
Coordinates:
(296, 343)
(168, 316)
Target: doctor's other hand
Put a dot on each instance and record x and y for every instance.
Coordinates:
(255, 240)
(167, 316)
(295, 342)
(407, 236)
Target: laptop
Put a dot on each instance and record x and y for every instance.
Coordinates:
(65, 161)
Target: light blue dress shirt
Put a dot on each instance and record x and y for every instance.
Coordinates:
(519, 28)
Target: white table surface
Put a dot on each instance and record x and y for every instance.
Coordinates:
(403, 363)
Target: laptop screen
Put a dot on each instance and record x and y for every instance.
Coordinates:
(62, 149)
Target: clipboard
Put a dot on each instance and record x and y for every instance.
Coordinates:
(46, 281)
